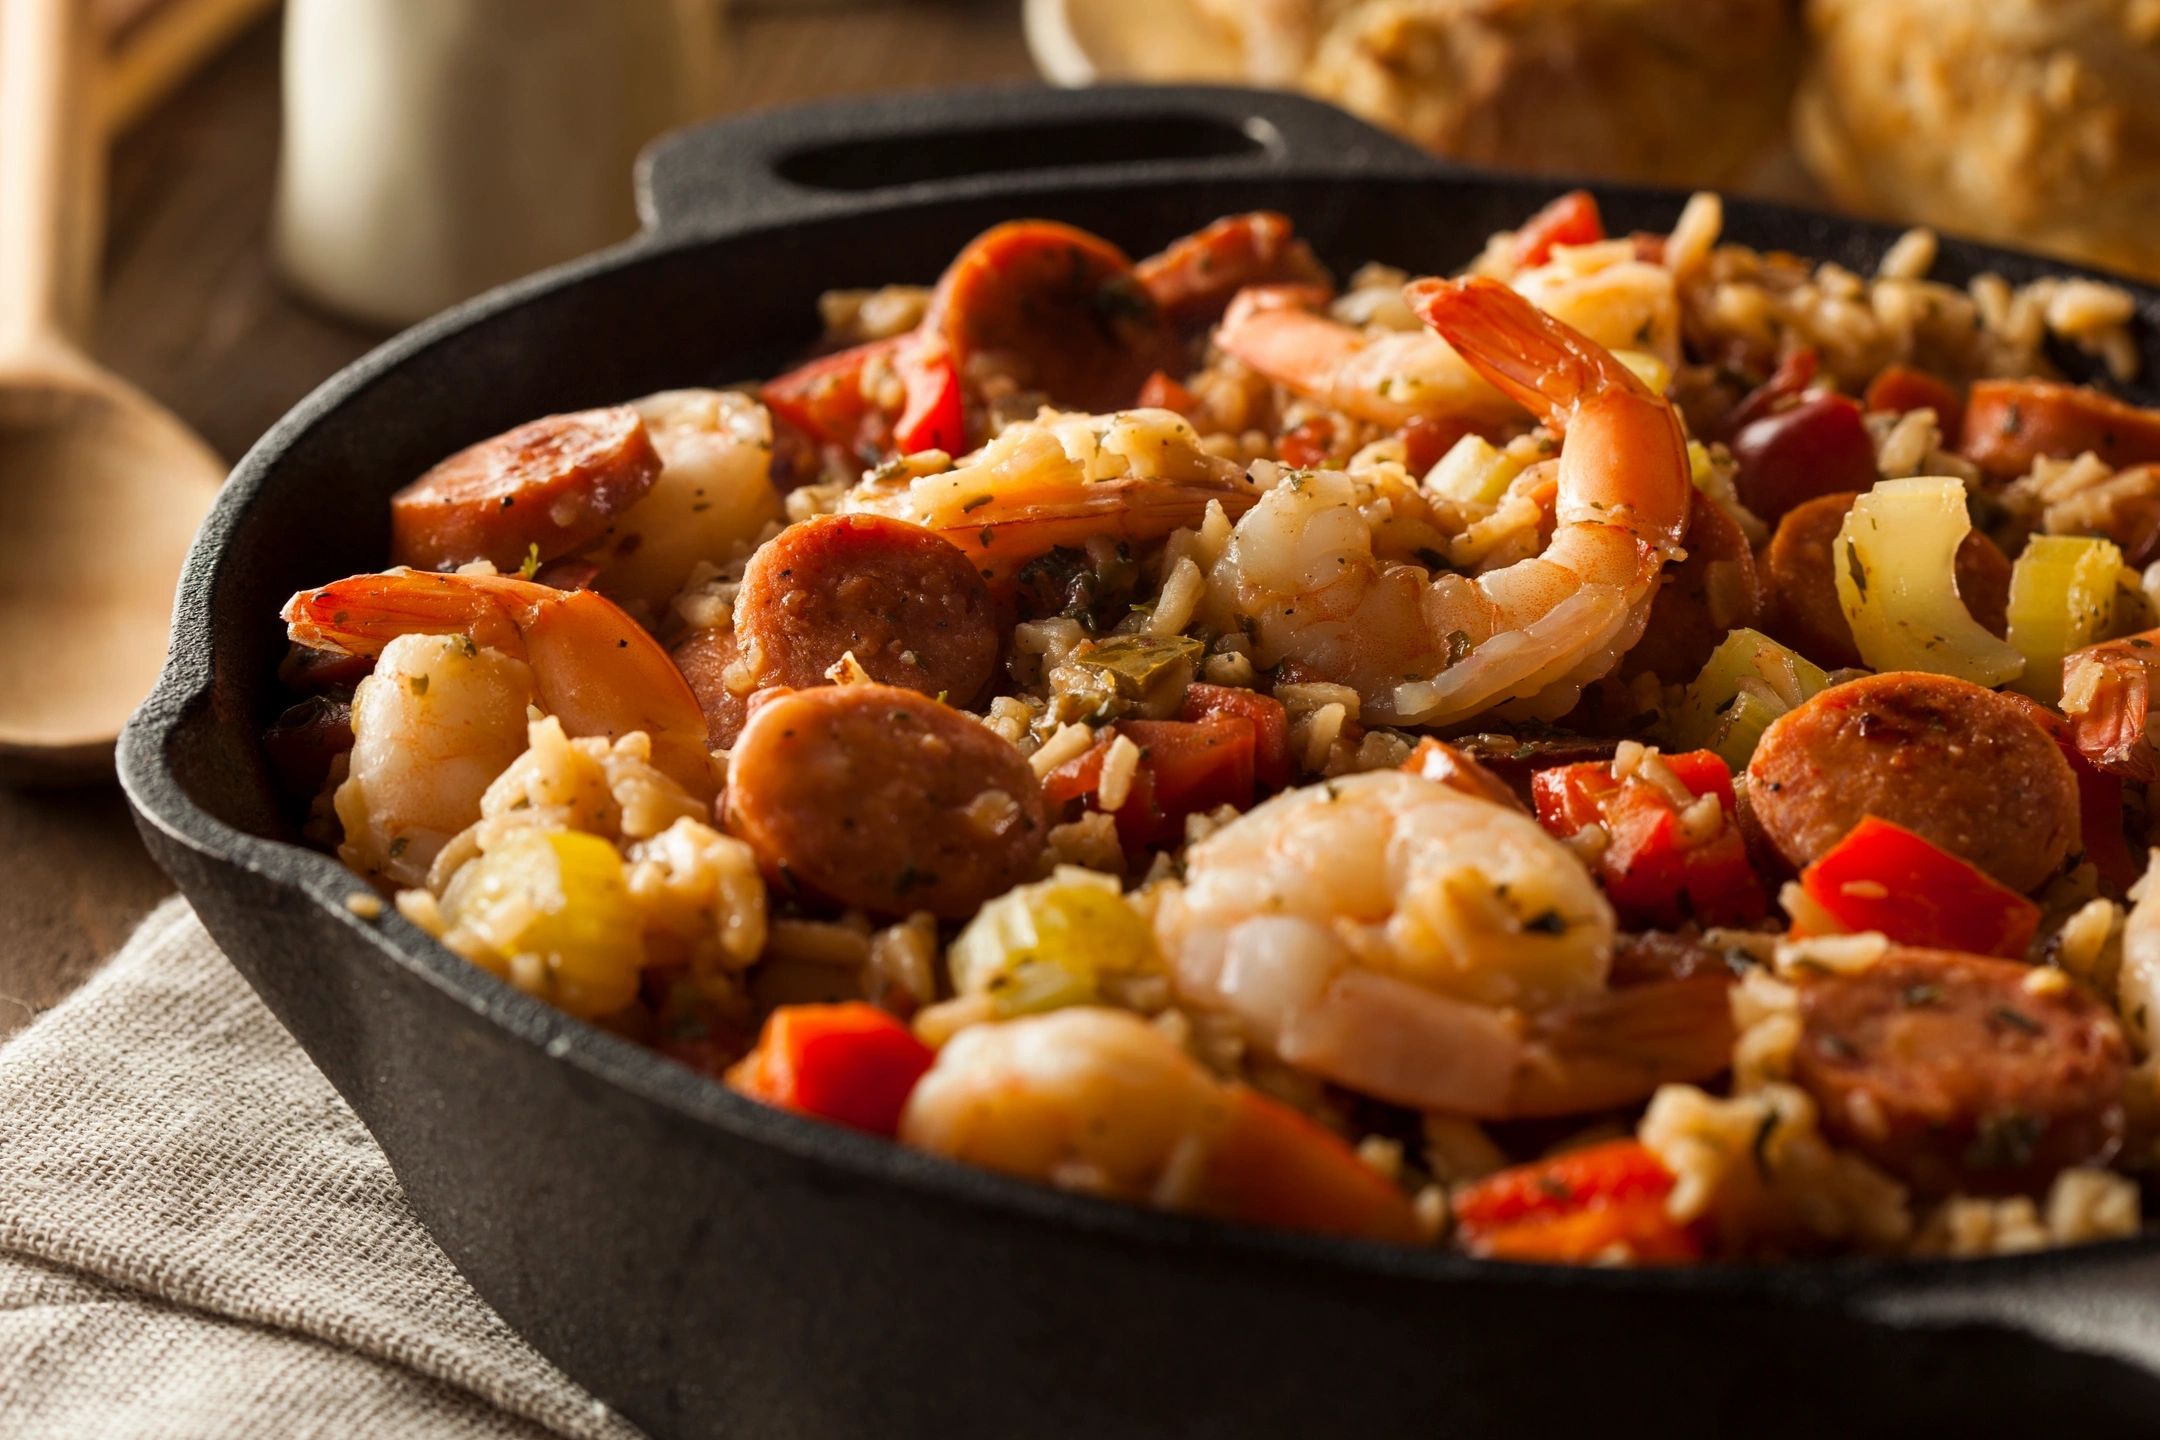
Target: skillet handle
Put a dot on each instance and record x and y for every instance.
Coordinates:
(785, 166)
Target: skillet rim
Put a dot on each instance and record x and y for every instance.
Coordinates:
(150, 778)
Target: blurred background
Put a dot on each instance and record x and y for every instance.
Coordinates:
(285, 185)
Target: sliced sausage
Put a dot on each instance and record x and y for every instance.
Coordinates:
(1799, 579)
(882, 799)
(1515, 760)
(1192, 279)
(2011, 423)
(1961, 765)
(908, 603)
(552, 484)
(1948, 1072)
(1700, 599)
(709, 660)
(1435, 759)
(304, 742)
(1058, 308)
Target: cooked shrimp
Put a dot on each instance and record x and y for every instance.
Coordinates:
(432, 727)
(591, 665)
(2107, 695)
(1103, 1102)
(1430, 947)
(1390, 377)
(1433, 649)
(1135, 475)
(713, 499)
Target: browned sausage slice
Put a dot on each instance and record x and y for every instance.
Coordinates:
(1800, 582)
(906, 601)
(553, 484)
(1700, 599)
(1963, 766)
(1192, 279)
(1949, 1073)
(879, 798)
(708, 660)
(1058, 308)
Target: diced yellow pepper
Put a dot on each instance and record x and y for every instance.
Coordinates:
(2062, 598)
(555, 908)
(1895, 558)
(1473, 472)
(1051, 944)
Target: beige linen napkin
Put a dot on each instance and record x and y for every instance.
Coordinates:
(198, 1238)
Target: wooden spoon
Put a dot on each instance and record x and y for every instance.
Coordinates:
(100, 488)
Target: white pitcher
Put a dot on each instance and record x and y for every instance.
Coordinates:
(434, 148)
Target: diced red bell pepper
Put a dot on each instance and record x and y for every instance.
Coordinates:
(1903, 389)
(1271, 726)
(1269, 1165)
(1572, 219)
(824, 398)
(852, 1064)
(1576, 1208)
(1186, 767)
(1305, 447)
(1163, 392)
(1649, 870)
(1884, 877)
(933, 419)
(2100, 799)
(1426, 439)
(1819, 446)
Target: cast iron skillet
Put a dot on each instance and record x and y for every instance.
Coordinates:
(710, 1267)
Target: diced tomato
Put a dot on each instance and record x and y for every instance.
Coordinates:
(2100, 799)
(1793, 375)
(1271, 726)
(1903, 389)
(852, 1064)
(824, 399)
(1819, 446)
(1269, 1165)
(933, 419)
(1884, 877)
(1570, 220)
(1650, 871)
(1577, 1207)
(1306, 446)
(1425, 440)
(1186, 767)
(1162, 392)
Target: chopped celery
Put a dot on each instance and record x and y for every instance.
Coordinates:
(2062, 598)
(1895, 559)
(1742, 723)
(1473, 472)
(558, 898)
(1747, 665)
(1135, 664)
(1051, 944)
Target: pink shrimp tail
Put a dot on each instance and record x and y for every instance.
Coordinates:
(361, 614)
(1547, 367)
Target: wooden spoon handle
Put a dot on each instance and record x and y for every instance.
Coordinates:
(51, 173)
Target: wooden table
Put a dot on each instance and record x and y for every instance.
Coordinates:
(193, 313)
